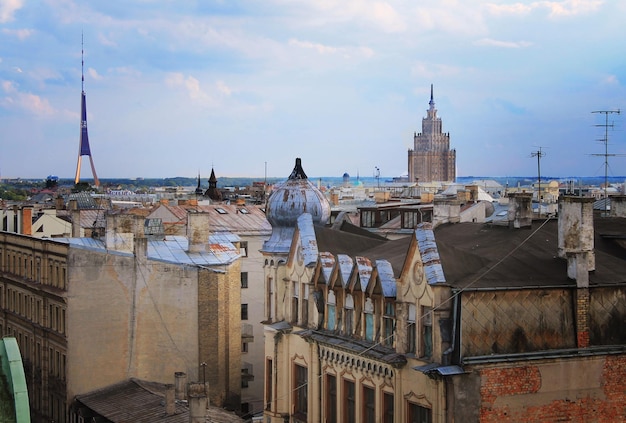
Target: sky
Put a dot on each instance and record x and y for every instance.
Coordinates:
(176, 88)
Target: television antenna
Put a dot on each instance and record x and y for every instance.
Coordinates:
(606, 154)
(539, 154)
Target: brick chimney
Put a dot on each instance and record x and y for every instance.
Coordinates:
(520, 213)
(575, 244)
(197, 231)
(27, 220)
(121, 231)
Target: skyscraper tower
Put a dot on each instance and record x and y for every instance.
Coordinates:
(83, 146)
(431, 159)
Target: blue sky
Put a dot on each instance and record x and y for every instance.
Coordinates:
(176, 87)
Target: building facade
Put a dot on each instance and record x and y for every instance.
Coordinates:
(466, 322)
(91, 312)
(431, 158)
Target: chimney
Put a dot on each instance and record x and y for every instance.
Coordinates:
(27, 220)
(575, 238)
(520, 213)
(122, 230)
(73, 204)
(575, 243)
(197, 402)
(446, 211)
(75, 223)
(197, 231)
(170, 402)
(181, 385)
(618, 205)
(59, 203)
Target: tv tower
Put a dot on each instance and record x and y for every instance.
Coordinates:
(83, 146)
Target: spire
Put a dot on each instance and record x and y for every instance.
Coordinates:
(198, 189)
(298, 172)
(432, 99)
(83, 146)
(212, 192)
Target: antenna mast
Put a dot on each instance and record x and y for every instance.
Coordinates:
(606, 154)
(539, 154)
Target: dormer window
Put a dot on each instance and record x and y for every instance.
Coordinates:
(221, 210)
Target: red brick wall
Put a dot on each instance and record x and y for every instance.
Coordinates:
(500, 385)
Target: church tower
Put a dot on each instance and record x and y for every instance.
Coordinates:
(431, 158)
(83, 145)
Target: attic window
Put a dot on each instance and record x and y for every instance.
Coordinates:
(221, 210)
(243, 211)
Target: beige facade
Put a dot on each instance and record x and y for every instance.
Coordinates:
(89, 313)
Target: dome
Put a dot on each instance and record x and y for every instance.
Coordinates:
(296, 196)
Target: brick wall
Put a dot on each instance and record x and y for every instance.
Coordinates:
(572, 390)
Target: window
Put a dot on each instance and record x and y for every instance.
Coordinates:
(418, 414)
(244, 347)
(389, 321)
(349, 399)
(305, 306)
(244, 312)
(349, 310)
(294, 302)
(221, 210)
(387, 407)
(243, 248)
(300, 392)
(369, 405)
(427, 332)
(330, 323)
(269, 301)
(331, 399)
(410, 330)
(369, 319)
(268, 383)
(244, 378)
(244, 279)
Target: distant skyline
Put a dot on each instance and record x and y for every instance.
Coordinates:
(176, 88)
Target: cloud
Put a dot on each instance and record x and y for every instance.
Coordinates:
(94, 74)
(553, 8)
(106, 41)
(8, 9)
(330, 50)
(26, 101)
(504, 44)
(379, 14)
(429, 70)
(21, 34)
(195, 92)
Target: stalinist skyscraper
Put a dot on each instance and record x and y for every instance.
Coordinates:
(431, 158)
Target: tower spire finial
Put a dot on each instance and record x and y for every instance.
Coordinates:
(82, 62)
(432, 98)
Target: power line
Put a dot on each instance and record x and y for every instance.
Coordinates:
(539, 154)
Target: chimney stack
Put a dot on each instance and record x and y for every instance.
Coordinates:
(618, 205)
(575, 243)
(520, 213)
(197, 402)
(197, 231)
(181, 385)
(575, 239)
(170, 401)
(75, 223)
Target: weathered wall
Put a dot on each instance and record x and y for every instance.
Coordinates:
(607, 315)
(501, 322)
(129, 319)
(587, 389)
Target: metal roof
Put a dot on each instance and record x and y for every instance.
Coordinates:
(387, 280)
(172, 249)
(430, 254)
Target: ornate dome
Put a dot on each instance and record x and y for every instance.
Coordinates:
(288, 202)
(295, 196)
